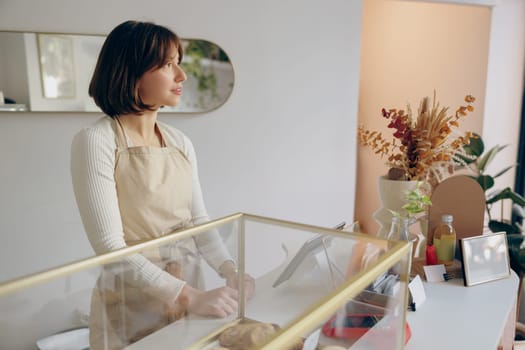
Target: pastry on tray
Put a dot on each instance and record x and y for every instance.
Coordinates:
(248, 335)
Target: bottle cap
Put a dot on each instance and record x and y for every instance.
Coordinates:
(447, 218)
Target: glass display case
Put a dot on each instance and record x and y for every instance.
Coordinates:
(296, 286)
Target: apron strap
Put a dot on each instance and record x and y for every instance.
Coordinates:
(163, 142)
(120, 135)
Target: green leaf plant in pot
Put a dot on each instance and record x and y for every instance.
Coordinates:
(478, 160)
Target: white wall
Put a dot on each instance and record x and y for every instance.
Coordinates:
(504, 88)
(505, 83)
(282, 145)
(407, 53)
(505, 74)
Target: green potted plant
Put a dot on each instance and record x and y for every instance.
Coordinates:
(478, 160)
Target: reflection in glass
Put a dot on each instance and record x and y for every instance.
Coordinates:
(210, 76)
(57, 65)
(51, 72)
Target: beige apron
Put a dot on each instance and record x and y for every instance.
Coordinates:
(154, 189)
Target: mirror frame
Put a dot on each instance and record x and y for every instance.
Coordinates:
(37, 72)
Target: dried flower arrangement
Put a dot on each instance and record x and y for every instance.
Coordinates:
(425, 147)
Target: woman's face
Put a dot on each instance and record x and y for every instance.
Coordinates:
(163, 86)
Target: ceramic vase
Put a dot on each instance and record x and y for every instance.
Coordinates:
(392, 195)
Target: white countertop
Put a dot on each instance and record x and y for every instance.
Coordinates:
(458, 317)
(452, 316)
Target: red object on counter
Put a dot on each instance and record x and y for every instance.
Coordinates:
(354, 326)
(431, 255)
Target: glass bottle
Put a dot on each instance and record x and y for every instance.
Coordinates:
(445, 240)
(399, 232)
(399, 229)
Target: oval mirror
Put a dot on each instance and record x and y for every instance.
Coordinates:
(43, 72)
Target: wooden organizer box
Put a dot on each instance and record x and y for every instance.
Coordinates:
(463, 198)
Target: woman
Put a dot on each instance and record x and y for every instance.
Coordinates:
(136, 179)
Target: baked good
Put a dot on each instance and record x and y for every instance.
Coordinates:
(247, 335)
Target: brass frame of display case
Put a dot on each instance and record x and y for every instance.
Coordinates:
(324, 309)
(310, 319)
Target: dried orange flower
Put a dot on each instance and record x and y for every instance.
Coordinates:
(425, 147)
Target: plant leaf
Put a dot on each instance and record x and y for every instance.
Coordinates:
(487, 158)
(485, 181)
(426, 200)
(412, 196)
(475, 146)
(505, 170)
(461, 159)
(507, 193)
(498, 226)
(413, 208)
(516, 251)
(394, 213)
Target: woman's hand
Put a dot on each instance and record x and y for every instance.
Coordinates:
(249, 284)
(229, 272)
(219, 302)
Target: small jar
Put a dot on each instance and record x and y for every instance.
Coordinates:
(445, 240)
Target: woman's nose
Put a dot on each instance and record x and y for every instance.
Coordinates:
(180, 75)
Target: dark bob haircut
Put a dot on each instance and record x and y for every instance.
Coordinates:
(130, 50)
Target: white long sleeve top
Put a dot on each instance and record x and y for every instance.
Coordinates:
(92, 168)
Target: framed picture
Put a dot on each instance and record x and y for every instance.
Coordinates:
(57, 65)
(485, 258)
